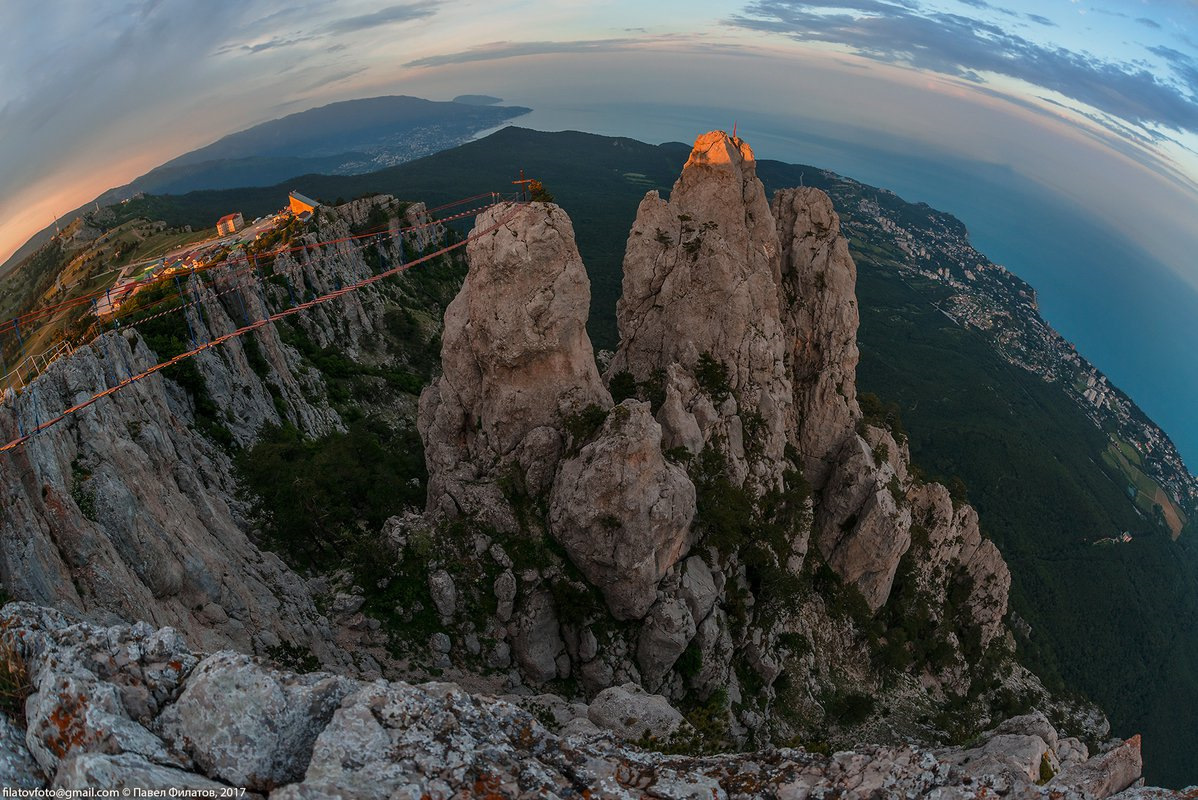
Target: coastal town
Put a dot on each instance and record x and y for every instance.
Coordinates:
(989, 298)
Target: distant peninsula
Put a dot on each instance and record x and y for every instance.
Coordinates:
(477, 99)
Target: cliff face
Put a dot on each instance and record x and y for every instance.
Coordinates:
(127, 511)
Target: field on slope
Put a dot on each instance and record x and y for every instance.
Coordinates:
(1118, 623)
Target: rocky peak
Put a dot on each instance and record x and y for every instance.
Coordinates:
(622, 511)
(819, 302)
(700, 311)
(516, 361)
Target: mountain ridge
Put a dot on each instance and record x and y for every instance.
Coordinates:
(344, 137)
(487, 164)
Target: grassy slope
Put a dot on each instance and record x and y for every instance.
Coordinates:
(1119, 623)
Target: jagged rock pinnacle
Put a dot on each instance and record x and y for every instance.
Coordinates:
(819, 307)
(700, 287)
(516, 359)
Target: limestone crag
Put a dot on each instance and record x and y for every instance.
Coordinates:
(690, 509)
(700, 298)
(819, 308)
(131, 514)
(132, 707)
(516, 361)
(955, 547)
(863, 522)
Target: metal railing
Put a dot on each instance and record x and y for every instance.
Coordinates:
(32, 367)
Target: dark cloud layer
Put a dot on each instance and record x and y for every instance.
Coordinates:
(965, 46)
(386, 16)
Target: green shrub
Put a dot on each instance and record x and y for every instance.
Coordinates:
(876, 412)
(726, 511)
(84, 496)
(254, 356)
(1046, 770)
(376, 221)
(584, 424)
(690, 662)
(705, 731)
(293, 657)
(712, 376)
(679, 455)
(849, 708)
(15, 685)
(622, 386)
(796, 643)
(653, 389)
(313, 497)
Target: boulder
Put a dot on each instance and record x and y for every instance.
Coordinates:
(248, 725)
(74, 712)
(861, 529)
(697, 588)
(536, 638)
(1105, 774)
(1072, 751)
(1033, 724)
(505, 595)
(667, 630)
(444, 593)
(715, 649)
(633, 713)
(1015, 755)
(622, 511)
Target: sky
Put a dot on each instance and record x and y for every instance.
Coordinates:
(1091, 105)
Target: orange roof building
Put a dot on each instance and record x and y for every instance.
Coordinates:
(299, 204)
(230, 223)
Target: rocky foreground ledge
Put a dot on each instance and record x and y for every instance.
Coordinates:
(131, 706)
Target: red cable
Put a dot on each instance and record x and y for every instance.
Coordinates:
(8, 325)
(255, 325)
